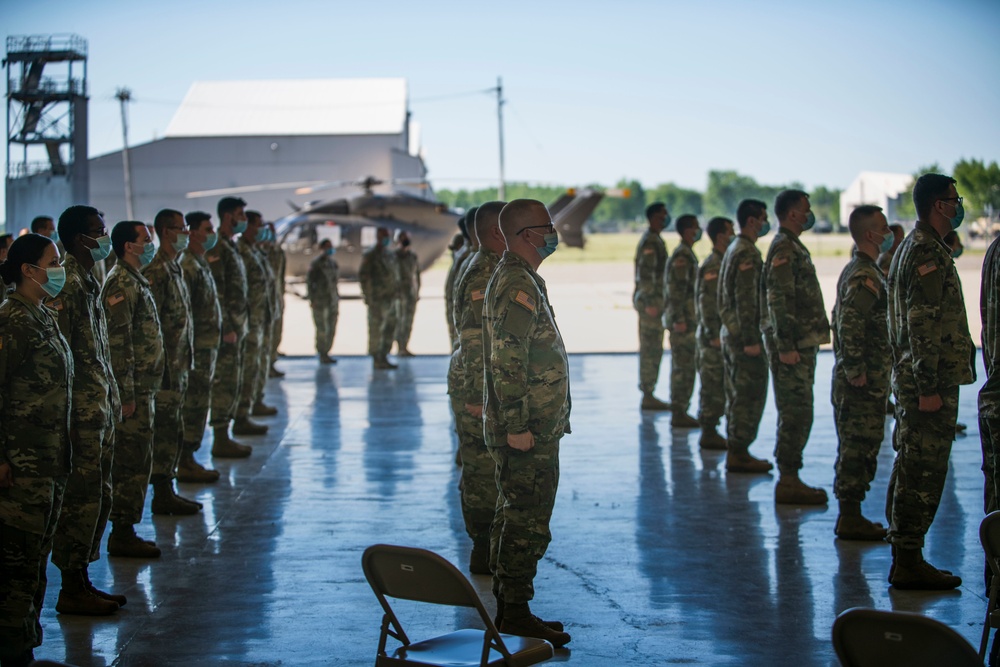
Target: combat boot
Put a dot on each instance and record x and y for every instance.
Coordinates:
(746, 462)
(851, 525)
(260, 409)
(326, 359)
(383, 364)
(683, 420)
(479, 559)
(76, 599)
(652, 403)
(247, 426)
(710, 439)
(225, 447)
(124, 542)
(518, 620)
(165, 501)
(498, 619)
(910, 572)
(120, 600)
(192, 472)
(790, 490)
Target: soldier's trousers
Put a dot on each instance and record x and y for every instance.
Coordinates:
(227, 382)
(277, 327)
(325, 319)
(527, 483)
(133, 462)
(922, 441)
(683, 360)
(265, 357)
(793, 396)
(859, 416)
(87, 499)
(197, 398)
(29, 512)
(989, 434)
(478, 485)
(404, 327)
(381, 327)
(168, 427)
(746, 393)
(712, 395)
(650, 351)
(252, 385)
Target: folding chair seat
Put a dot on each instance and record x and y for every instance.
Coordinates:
(989, 536)
(873, 638)
(418, 575)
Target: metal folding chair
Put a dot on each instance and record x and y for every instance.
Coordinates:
(989, 536)
(873, 638)
(406, 573)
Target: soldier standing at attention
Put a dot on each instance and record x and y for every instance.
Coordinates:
(207, 318)
(458, 246)
(712, 402)
(861, 367)
(743, 357)
(932, 354)
(794, 323)
(650, 260)
(525, 414)
(96, 411)
(137, 359)
(173, 307)
(989, 395)
(378, 287)
(884, 260)
(36, 379)
(679, 318)
(324, 299)
(409, 294)
(231, 283)
(276, 259)
(471, 248)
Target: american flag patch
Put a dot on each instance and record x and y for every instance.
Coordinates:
(924, 269)
(746, 266)
(711, 275)
(870, 284)
(648, 251)
(478, 295)
(680, 261)
(778, 261)
(115, 299)
(525, 300)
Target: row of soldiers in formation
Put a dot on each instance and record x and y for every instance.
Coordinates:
(106, 389)
(899, 322)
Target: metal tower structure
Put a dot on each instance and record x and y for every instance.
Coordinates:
(46, 126)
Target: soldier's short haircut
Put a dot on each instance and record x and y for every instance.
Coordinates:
(463, 227)
(785, 200)
(860, 220)
(27, 249)
(254, 215)
(162, 219)
(228, 205)
(685, 222)
(326, 243)
(195, 218)
(655, 208)
(928, 189)
(897, 230)
(514, 214)
(487, 217)
(750, 208)
(470, 222)
(39, 222)
(126, 231)
(74, 221)
(716, 226)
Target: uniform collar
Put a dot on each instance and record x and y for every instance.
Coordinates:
(927, 228)
(862, 257)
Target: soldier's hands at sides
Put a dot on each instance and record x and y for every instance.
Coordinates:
(652, 311)
(716, 343)
(522, 442)
(859, 381)
(474, 410)
(229, 338)
(680, 327)
(929, 403)
(6, 477)
(752, 350)
(789, 358)
(128, 409)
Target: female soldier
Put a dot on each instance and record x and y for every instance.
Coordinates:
(36, 370)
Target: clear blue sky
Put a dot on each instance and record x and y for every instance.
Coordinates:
(658, 91)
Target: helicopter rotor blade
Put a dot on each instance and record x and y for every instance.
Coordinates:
(248, 188)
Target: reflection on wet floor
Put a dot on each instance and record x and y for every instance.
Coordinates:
(658, 555)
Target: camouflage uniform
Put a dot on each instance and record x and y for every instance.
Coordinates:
(793, 318)
(379, 286)
(324, 300)
(276, 258)
(409, 294)
(526, 388)
(137, 359)
(739, 310)
(860, 346)
(712, 402)
(206, 318)
(173, 306)
(678, 289)
(96, 410)
(457, 258)
(259, 301)
(267, 342)
(465, 385)
(36, 375)
(231, 283)
(650, 260)
(932, 353)
(989, 395)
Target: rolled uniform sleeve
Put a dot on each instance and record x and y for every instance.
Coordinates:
(854, 312)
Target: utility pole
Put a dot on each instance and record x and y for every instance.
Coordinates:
(501, 194)
(124, 95)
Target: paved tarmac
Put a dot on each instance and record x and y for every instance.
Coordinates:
(658, 555)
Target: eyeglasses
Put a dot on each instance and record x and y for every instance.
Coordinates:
(549, 228)
(955, 199)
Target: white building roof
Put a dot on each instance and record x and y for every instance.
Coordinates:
(291, 107)
(881, 183)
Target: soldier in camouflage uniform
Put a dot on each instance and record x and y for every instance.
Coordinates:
(932, 355)
(409, 294)
(379, 287)
(712, 402)
(231, 284)
(525, 414)
(650, 260)
(36, 370)
(465, 386)
(264, 236)
(861, 368)
(458, 248)
(794, 324)
(884, 260)
(276, 260)
(96, 411)
(324, 299)
(680, 320)
(173, 307)
(206, 320)
(471, 248)
(989, 395)
(137, 359)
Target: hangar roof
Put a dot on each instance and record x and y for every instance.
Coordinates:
(291, 107)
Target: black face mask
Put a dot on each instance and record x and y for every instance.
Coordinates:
(405, 244)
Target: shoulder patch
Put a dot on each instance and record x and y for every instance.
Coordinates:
(679, 262)
(924, 269)
(648, 251)
(870, 284)
(778, 261)
(479, 294)
(525, 300)
(115, 299)
(711, 275)
(746, 266)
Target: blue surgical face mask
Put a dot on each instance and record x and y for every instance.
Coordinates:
(330, 252)
(957, 252)
(697, 236)
(765, 227)
(103, 249)
(239, 226)
(551, 243)
(956, 220)
(181, 242)
(386, 241)
(148, 251)
(55, 236)
(55, 280)
(732, 240)
(886, 244)
(666, 221)
(210, 240)
(810, 221)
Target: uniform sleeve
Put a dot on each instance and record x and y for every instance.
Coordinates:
(509, 361)
(365, 277)
(706, 294)
(218, 269)
(470, 328)
(780, 286)
(311, 278)
(647, 291)
(747, 297)
(853, 315)
(9, 361)
(120, 309)
(678, 286)
(924, 291)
